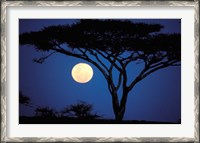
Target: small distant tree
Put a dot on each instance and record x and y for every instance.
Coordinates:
(111, 45)
(45, 112)
(24, 100)
(80, 110)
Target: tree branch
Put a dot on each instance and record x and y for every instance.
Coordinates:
(148, 70)
(157, 63)
(41, 60)
(160, 66)
(119, 80)
(96, 56)
(138, 78)
(84, 57)
(108, 58)
(134, 58)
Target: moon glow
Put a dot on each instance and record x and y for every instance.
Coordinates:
(82, 72)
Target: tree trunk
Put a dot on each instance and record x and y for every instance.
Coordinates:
(115, 103)
(119, 109)
(119, 116)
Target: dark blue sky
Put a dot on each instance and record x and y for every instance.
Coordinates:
(156, 98)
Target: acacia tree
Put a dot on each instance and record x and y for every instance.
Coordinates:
(45, 112)
(80, 110)
(111, 45)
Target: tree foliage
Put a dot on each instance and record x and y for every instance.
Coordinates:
(45, 112)
(118, 42)
(80, 110)
(24, 100)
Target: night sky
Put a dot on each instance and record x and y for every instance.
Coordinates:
(156, 98)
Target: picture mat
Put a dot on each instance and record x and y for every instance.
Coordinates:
(185, 129)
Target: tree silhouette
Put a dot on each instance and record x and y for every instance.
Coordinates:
(24, 100)
(45, 112)
(80, 110)
(111, 45)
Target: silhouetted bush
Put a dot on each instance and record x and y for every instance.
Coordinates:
(24, 100)
(80, 110)
(45, 112)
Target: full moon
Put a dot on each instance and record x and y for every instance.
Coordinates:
(82, 72)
